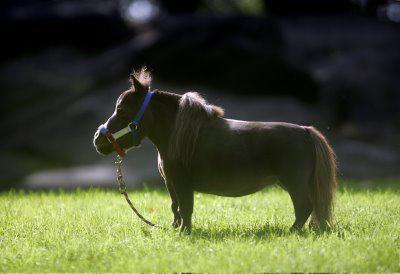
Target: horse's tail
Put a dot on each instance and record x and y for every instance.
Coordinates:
(324, 180)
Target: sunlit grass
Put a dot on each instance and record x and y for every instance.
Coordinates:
(94, 230)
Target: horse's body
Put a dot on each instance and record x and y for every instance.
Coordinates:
(199, 150)
(236, 158)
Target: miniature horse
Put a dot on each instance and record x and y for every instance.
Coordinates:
(200, 150)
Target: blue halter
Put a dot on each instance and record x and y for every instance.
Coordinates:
(134, 124)
(131, 127)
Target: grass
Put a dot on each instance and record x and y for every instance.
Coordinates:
(94, 230)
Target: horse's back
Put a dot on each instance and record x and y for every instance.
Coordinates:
(251, 139)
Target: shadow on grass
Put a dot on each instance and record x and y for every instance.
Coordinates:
(258, 233)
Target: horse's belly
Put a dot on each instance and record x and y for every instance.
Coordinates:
(233, 187)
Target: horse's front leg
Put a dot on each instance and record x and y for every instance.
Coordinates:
(174, 205)
(184, 194)
(174, 199)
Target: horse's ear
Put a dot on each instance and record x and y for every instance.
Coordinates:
(140, 80)
(135, 83)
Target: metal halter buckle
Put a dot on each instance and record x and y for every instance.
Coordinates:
(133, 126)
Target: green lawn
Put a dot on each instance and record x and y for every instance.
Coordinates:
(94, 230)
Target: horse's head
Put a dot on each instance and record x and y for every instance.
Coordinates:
(128, 125)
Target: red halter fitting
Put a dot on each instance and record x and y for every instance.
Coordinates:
(115, 145)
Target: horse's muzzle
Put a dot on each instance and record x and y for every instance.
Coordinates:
(101, 144)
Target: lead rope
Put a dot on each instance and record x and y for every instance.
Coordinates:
(122, 190)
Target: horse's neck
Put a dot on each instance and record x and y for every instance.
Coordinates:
(164, 113)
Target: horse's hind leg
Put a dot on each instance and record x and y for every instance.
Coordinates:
(299, 192)
(302, 207)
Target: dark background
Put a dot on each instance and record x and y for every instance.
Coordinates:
(334, 64)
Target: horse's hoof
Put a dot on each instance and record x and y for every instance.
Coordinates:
(185, 230)
(295, 228)
(176, 223)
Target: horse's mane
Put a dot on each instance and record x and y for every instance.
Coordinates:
(193, 113)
